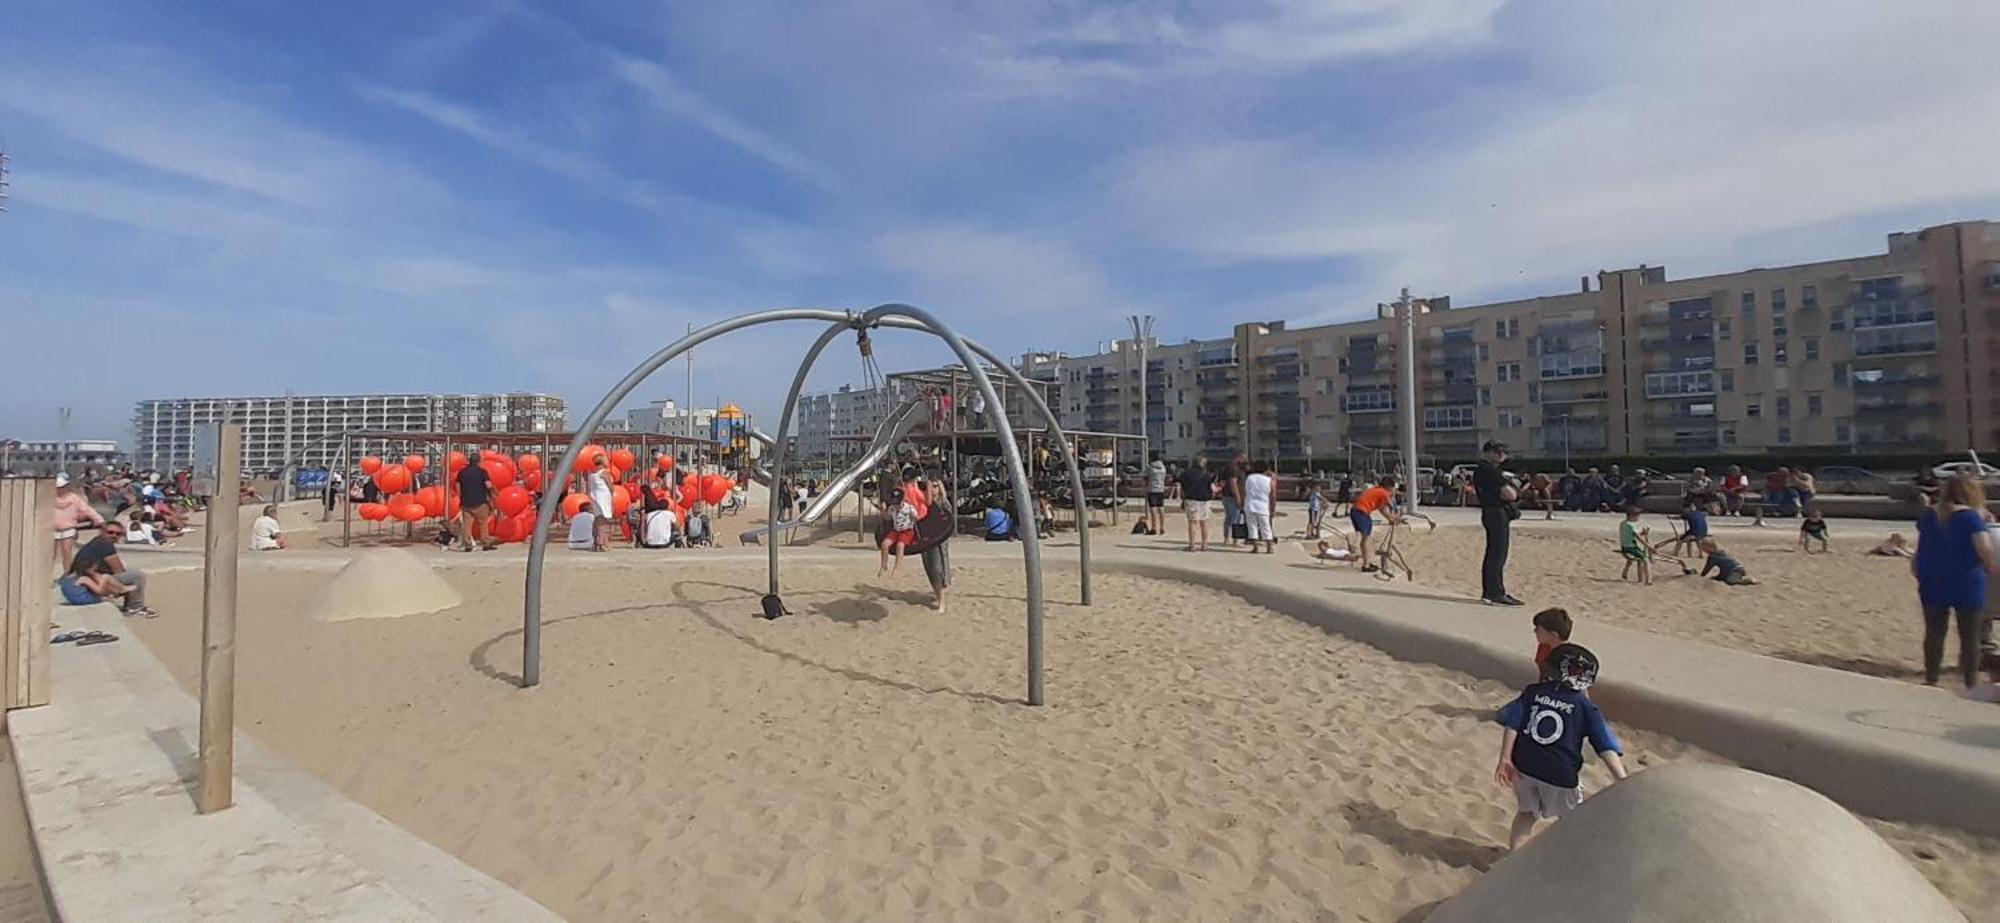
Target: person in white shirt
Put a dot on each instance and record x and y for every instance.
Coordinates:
(1258, 489)
(583, 531)
(137, 532)
(265, 534)
(659, 529)
(598, 486)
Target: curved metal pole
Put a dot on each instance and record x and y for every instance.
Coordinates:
(777, 461)
(1024, 504)
(531, 615)
(1061, 440)
(1040, 407)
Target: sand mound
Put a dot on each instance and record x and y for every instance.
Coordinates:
(1693, 843)
(386, 583)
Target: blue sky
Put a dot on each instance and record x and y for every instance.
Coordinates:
(473, 195)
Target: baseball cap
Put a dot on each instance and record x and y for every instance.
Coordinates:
(1494, 445)
(62, 480)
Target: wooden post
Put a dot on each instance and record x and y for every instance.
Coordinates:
(27, 558)
(218, 630)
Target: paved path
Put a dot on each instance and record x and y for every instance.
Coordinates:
(108, 772)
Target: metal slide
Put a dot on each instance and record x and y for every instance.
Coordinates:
(894, 427)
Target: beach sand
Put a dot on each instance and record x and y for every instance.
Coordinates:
(1200, 758)
(1847, 610)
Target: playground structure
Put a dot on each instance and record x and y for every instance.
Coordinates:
(437, 449)
(975, 360)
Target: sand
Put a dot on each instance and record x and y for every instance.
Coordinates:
(383, 583)
(1201, 758)
(1846, 610)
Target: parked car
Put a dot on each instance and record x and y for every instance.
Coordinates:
(1983, 471)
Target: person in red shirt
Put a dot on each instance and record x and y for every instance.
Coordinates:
(1380, 497)
(1734, 485)
(910, 508)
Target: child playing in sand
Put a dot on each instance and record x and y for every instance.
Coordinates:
(1541, 748)
(1813, 529)
(1315, 510)
(1697, 527)
(1552, 628)
(1895, 546)
(1727, 569)
(1327, 552)
(1632, 544)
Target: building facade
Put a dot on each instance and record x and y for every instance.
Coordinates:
(1894, 352)
(30, 458)
(277, 430)
(670, 418)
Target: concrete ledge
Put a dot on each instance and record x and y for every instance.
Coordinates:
(108, 775)
(1881, 748)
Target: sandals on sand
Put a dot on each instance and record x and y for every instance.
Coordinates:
(83, 638)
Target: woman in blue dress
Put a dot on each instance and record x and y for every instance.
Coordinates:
(1955, 552)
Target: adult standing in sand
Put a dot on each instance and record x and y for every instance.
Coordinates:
(1196, 488)
(1229, 487)
(475, 506)
(1955, 553)
(1259, 490)
(1156, 497)
(1496, 516)
(598, 487)
(937, 558)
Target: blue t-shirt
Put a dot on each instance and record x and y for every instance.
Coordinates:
(1553, 721)
(997, 522)
(1697, 521)
(1948, 569)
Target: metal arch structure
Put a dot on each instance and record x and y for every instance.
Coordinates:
(285, 474)
(776, 464)
(899, 315)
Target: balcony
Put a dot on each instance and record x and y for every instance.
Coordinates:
(1898, 407)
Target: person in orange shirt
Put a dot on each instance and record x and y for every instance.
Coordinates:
(1382, 498)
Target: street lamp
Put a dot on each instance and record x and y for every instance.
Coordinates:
(1142, 331)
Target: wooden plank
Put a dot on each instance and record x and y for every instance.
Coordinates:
(38, 594)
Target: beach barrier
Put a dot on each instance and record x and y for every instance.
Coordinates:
(27, 567)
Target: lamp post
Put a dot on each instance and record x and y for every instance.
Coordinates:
(1142, 331)
(1407, 308)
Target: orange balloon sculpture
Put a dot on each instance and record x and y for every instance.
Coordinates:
(621, 502)
(370, 464)
(392, 478)
(499, 470)
(432, 500)
(373, 512)
(512, 499)
(529, 463)
(717, 490)
(623, 459)
(586, 460)
(415, 463)
(574, 504)
(457, 462)
(408, 511)
(666, 463)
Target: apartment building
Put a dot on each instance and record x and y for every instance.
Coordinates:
(667, 416)
(45, 458)
(1892, 352)
(277, 430)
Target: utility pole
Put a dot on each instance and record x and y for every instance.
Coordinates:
(62, 440)
(1142, 331)
(1407, 309)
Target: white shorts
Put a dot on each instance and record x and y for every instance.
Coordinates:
(1260, 526)
(1197, 510)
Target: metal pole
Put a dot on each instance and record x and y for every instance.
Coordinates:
(346, 508)
(1409, 312)
(778, 453)
(218, 630)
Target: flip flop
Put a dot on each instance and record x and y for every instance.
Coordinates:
(69, 636)
(95, 637)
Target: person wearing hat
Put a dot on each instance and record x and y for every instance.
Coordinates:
(73, 512)
(1496, 516)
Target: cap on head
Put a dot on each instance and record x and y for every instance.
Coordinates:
(1494, 445)
(1571, 665)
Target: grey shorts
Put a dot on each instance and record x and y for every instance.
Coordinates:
(1542, 799)
(1197, 510)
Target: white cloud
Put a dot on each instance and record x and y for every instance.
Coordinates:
(676, 98)
(968, 268)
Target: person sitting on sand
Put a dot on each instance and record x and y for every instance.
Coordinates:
(1813, 529)
(1895, 546)
(1632, 544)
(1541, 748)
(698, 534)
(1379, 498)
(1727, 569)
(583, 530)
(998, 526)
(265, 533)
(1552, 628)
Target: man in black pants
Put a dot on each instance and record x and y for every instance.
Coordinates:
(1496, 514)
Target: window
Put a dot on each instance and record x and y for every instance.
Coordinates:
(1701, 410)
(1675, 384)
(1341, 364)
(1753, 409)
(1837, 318)
(1905, 340)
(1379, 400)
(1808, 297)
(1483, 354)
(1727, 379)
(1729, 435)
(1784, 405)
(1450, 417)
(1784, 435)
(1812, 348)
(1813, 405)
(1778, 352)
(1891, 313)
(1777, 301)
(1573, 365)
(1722, 327)
(1507, 329)
(1779, 328)
(1507, 371)
(1485, 395)
(1749, 306)
(1749, 354)
(1512, 419)
(1840, 375)
(1534, 393)
(1513, 328)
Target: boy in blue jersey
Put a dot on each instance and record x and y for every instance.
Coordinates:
(1541, 750)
